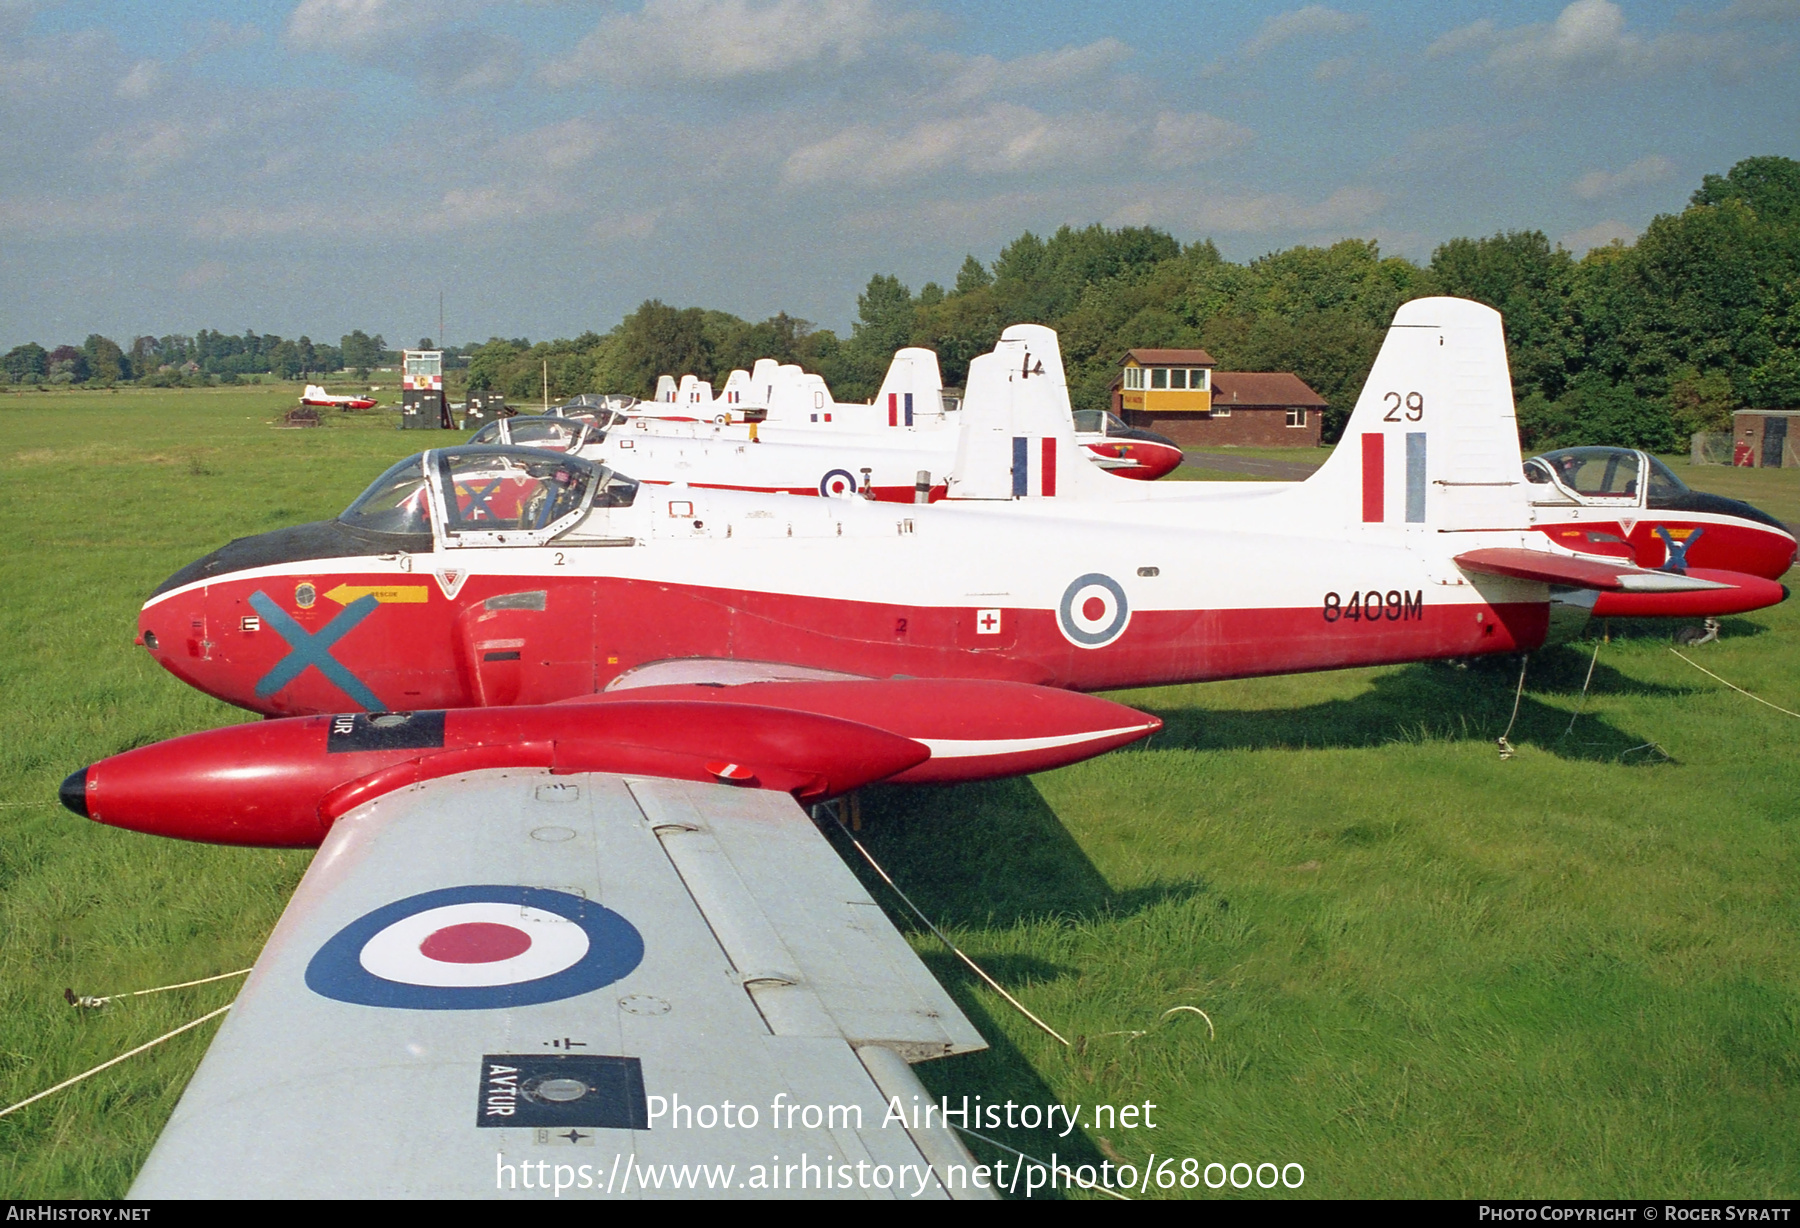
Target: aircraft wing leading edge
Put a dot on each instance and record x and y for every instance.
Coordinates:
(576, 974)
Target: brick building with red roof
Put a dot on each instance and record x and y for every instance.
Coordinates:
(1178, 393)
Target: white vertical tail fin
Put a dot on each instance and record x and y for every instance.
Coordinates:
(665, 389)
(1018, 436)
(736, 392)
(1433, 443)
(913, 392)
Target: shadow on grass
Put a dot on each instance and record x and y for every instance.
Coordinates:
(990, 854)
(987, 857)
(1438, 701)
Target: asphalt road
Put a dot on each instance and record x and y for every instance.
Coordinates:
(1256, 466)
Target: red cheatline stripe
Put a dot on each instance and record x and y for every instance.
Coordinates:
(1373, 496)
(1049, 466)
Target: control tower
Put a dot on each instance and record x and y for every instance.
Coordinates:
(422, 404)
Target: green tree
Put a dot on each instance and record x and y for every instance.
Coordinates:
(106, 361)
(1769, 185)
(26, 363)
(362, 352)
(886, 315)
(972, 276)
(68, 365)
(1520, 275)
(658, 339)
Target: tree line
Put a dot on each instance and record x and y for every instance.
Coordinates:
(208, 356)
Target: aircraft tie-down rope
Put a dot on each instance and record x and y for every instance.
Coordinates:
(151, 1044)
(941, 937)
(1734, 686)
(83, 1000)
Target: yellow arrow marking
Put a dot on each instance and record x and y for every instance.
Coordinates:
(399, 594)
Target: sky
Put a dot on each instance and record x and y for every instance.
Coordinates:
(313, 166)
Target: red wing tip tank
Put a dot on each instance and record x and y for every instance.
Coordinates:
(283, 783)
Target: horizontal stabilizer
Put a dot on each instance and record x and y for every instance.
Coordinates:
(1578, 571)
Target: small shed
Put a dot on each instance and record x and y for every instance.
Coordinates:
(1765, 438)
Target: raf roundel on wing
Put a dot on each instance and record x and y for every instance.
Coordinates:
(476, 948)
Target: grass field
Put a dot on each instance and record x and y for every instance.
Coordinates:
(1429, 972)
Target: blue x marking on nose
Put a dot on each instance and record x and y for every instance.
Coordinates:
(478, 498)
(1677, 560)
(314, 648)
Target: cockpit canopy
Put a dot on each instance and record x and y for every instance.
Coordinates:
(1099, 422)
(1602, 477)
(478, 496)
(552, 434)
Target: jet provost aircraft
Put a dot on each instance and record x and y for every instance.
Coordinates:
(315, 395)
(1627, 504)
(562, 913)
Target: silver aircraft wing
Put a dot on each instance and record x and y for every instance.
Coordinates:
(510, 985)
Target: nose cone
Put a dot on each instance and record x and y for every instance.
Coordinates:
(74, 792)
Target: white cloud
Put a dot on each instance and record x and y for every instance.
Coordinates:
(1009, 139)
(1642, 173)
(978, 76)
(1476, 36)
(1189, 137)
(60, 217)
(717, 40)
(151, 147)
(1589, 38)
(1600, 234)
(1313, 21)
(351, 27)
(206, 273)
(617, 227)
(1269, 213)
(462, 57)
(1332, 70)
(141, 81)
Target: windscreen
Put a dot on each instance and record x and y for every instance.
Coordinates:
(1609, 472)
(500, 489)
(394, 502)
(556, 434)
(1663, 482)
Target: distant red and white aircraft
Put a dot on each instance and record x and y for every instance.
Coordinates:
(315, 395)
(542, 720)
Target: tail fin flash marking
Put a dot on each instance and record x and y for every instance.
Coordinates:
(893, 413)
(1021, 468)
(1049, 479)
(1373, 495)
(1415, 477)
(909, 409)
